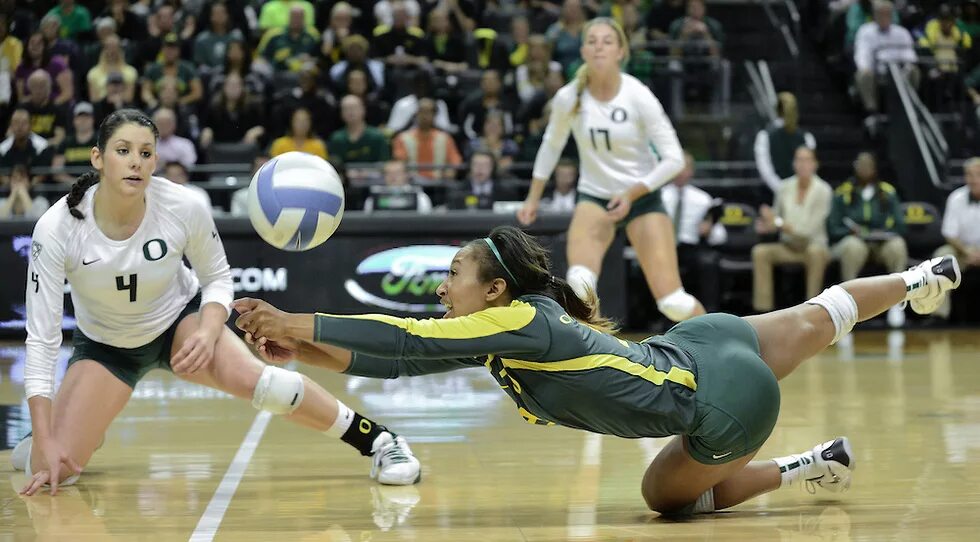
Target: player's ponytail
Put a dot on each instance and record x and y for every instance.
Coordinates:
(582, 74)
(526, 268)
(106, 130)
(82, 184)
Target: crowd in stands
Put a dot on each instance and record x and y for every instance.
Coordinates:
(406, 95)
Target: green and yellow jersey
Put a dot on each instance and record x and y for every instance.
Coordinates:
(557, 370)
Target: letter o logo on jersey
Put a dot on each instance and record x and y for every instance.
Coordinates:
(154, 249)
(619, 115)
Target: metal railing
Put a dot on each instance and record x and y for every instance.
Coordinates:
(921, 129)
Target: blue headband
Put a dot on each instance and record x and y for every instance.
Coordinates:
(496, 253)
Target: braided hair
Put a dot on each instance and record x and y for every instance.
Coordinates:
(106, 130)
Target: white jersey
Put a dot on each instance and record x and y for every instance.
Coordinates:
(125, 293)
(613, 139)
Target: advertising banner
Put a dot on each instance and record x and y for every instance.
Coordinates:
(389, 264)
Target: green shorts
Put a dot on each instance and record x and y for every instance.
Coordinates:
(737, 400)
(650, 203)
(131, 364)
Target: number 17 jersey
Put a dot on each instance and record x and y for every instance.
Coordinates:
(613, 138)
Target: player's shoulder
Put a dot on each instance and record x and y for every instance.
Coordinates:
(566, 96)
(175, 198)
(57, 222)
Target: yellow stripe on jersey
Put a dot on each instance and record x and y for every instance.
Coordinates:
(485, 323)
(648, 373)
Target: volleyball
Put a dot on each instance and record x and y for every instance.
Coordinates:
(296, 201)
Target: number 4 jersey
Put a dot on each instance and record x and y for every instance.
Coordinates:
(126, 293)
(614, 139)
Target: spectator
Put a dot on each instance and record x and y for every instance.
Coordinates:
(357, 85)
(970, 18)
(129, 25)
(961, 226)
(866, 220)
(564, 197)
(529, 77)
(481, 188)
(858, 14)
(170, 146)
(430, 149)
(695, 233)
(384, 11)
(76, 150)
(660, 17)
(320, 104)
(20, 203)
(405, 109)
(493, 141)
(11, 48)
(532, 114)
(397, 194)
(401, 44)
(775, 147)
(356, 56)
(211, 45)
(488, 51)
(489, 98)
(37, 58)
(462, 14)
(356, 141)
(48, 119)
(565, 35)
(239, 200)
(23, 146)
(877, 44)
(177, 173)
(188, 83)
(115, 98)
(292, 47)
(188, 123)
(300, 137)
(444, 48)
(111, 60)
(75, 20)
(703, 35)
(800, 216)
(234, 116)
(238, 59)
(159, 25)
(57, 45)
(340, 26)
(276, 14)
(520, 35)
(949, 45)
(92, 50)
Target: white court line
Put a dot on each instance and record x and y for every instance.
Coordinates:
(207, 527)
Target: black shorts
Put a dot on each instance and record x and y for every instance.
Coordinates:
(131, 364)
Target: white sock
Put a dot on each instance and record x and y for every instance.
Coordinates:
(792, 467)
(344, 418)
(915, 280)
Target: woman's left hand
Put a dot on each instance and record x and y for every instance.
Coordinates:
(196, 352)
(619, 206)
(261, 319)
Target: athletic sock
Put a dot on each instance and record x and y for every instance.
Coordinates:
(356, 430)
(915, 280)
(792, 467)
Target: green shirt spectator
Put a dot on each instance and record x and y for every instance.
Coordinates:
(275, 13)
(873, 207)
(185, 74)
(74, 19)
(288, 50)
(210, 45)
(371, 146)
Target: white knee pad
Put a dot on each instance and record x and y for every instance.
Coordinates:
(842, 308)
(677, 306)
(278, 391)
(581, 279)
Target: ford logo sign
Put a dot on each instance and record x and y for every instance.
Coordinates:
(402, 279)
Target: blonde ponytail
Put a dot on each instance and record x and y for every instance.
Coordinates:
(581, 81)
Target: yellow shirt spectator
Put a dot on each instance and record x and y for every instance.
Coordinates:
(286, 144)
(944, 38)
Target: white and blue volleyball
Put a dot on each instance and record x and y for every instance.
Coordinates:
(296, 201)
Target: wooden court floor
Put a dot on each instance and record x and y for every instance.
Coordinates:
(186, 463)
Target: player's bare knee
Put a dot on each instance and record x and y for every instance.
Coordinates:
(278, 391)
